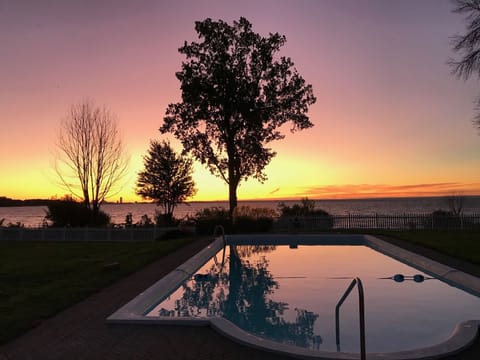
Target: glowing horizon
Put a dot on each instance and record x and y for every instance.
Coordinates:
(327, 192)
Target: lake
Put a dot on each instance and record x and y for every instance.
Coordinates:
(32, 216)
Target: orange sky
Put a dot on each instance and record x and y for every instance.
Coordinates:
(390, 119)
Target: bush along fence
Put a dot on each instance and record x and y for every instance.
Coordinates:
(430, 221)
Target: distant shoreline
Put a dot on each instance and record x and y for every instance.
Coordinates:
(8, 202)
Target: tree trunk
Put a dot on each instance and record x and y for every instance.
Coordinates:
(234, 297)
(233, 178)
(95, 208)
(232, 197)
(86, 199)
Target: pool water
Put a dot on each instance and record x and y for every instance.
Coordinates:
(288, 294)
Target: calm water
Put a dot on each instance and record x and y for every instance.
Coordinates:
(289, 295)
(33, 215)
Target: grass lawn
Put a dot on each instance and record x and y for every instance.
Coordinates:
(38, 279)
(461, 245)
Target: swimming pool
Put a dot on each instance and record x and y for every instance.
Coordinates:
(280, 292)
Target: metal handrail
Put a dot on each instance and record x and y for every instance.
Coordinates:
(361, 309)
(215, 260)
(222, 229)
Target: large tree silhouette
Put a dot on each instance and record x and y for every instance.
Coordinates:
(236, 94)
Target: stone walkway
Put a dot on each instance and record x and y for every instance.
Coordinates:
(81, 332)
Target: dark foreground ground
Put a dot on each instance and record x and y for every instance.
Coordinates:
(81, 332)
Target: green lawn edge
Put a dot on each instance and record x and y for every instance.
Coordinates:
(461, 245)
(38, 279)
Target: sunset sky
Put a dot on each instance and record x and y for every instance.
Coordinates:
(390, 118)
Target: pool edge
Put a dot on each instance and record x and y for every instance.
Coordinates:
(134, 310)
(461, 338)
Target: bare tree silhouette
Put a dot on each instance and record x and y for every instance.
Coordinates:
(468, 46)
(90, 159)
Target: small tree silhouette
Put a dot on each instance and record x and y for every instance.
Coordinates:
(166, 178)
(455, 203)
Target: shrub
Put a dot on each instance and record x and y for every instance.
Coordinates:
(165, 220)
(17, 224)
(74, 214)
(145, 221)
(304, 215)
(443, 220)
(129, 220)
(255, 212)
(253, 220)
(206, 220)
(245, 224)
(306, 207)
(173, 234)
(245, 220)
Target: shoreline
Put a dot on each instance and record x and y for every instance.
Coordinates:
(8, 202)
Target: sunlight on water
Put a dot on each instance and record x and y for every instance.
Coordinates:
(289, 295)
(32, 216)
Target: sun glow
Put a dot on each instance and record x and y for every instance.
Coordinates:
(288, 178)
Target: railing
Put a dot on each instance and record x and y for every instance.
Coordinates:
(361, 310)
(380, 222)
(222, 232)
(82, 234)
(417, 222)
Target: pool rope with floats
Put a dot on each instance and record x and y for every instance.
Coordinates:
(418, 278)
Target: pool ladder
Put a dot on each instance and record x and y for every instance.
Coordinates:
(222, 233)
(361, 310)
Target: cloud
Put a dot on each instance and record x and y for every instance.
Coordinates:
(385, 190)
(274, 191)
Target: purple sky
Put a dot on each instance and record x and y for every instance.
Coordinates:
(389, 114)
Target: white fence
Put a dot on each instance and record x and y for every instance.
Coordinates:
(294, 223)
(380, 222)
(82, 234)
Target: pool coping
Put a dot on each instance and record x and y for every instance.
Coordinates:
(462, 336)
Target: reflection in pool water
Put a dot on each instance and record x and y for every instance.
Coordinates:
(289, 295)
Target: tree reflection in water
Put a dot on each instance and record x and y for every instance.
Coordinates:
(238, 289)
